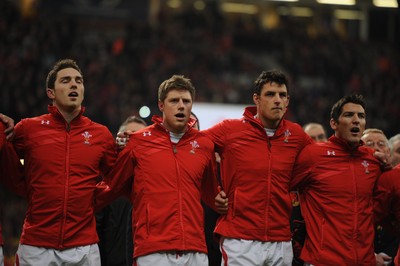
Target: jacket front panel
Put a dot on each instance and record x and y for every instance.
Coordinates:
(62, 166)
(387, 202)
(336, 186)
(255, 172)
(167, 188)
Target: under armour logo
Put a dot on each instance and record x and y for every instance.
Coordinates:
(86, 136)
(365, 164)
(47, 122)
(147, 133)
(331, 153)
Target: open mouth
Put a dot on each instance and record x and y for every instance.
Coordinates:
(355, 130)
(180, 115)
(73, 94)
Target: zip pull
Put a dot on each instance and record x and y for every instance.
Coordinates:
(175, 150)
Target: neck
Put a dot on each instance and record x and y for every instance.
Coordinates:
(270, 124)
(353, 145)
(69, 115)
(174, 130)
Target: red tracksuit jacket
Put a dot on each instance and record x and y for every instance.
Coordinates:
(336, 187)
(387, 200)
(255, 172)
(62, 164)
(10, 172)
(168, 180)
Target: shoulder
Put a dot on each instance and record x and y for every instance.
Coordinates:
(201, 136)
(294, 127)
(295, 132)
(45, 119)
(226, 126)
(390, 180)
(392, 174)
(320, 150)
(368, 153)
(148, 133)
(232, 122)
(94, 128)
(86, 121)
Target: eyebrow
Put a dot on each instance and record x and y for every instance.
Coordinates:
(350, 112)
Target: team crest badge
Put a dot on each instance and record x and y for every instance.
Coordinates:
(287, 135)
(87, 137)
(365, 164)
(195, 146)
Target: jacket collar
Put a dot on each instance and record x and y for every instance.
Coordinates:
(158, 120)
(56, 113)
(251, 111)
(343, 143)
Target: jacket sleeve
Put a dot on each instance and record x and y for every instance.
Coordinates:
(383, 196)
(115, 182)
(210, 184)
(302, 169)
(19, 139)
(298, 228)
(11, 169)
(217, 135)
(110, 154)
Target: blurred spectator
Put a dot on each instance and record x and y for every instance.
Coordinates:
(394, 144)
(386, 243)
(114, 222)
(316, 132)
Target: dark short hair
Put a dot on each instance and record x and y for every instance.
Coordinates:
(337, 108)
(176, 82)
(60, 65)
(270, 76)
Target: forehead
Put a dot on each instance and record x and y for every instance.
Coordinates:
(179, 93)
(134, 126)
(274, 87)
(396, 143)
(373, 136)
(352, 108)
(315, 130)
(68, 72)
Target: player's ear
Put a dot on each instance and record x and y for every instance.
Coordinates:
(161, 106)
(50, 93)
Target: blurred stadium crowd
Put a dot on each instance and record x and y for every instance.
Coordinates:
(124, 61)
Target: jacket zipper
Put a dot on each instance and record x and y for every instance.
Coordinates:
(355, 208)
(266, 224)
(64, 210)
(179, 183)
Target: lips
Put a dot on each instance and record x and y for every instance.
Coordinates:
(355, 130)
(73, 94)
(180, 115)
